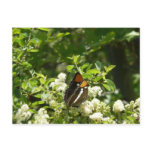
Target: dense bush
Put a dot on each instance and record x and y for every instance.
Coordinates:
(45, 61)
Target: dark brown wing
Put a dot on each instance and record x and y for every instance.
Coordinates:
(73, 85)
(76, 94)
(81, 98)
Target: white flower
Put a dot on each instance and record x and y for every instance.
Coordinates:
(41, 117)
(118, 106)
(25, 107)
(96, 116)
(52, 103)
(94, 91)
(23, 114)
(137, 102)
(60, 85)
(86, 108)
(95, 102)
(62, 76)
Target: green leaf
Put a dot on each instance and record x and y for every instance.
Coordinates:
(71, 58)
(75, 58)
(84, 66)
(87, 76)
(62, 34)
(59, 35)
(33, 83)
(14, 73)
(36, 90)
(27, 65)
(107, 86)
(37, 95)
(98, 65)
(37, 103)
(49, 80)
(40, 75)
(16, 31)
(33, 50)
(109, 68)
(67, 33)
(33, 111)
(44, 29)
(96, 79)
(24, 85)
(69, 68)
(93, 71)
(42, 80)
(131, 35)
(19, 56)
(111, 84)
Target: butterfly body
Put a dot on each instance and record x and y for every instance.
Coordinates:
(77, 91)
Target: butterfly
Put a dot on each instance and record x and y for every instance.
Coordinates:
(77, 91)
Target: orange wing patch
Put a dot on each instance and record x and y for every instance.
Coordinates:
(78, 78)
(83, 84)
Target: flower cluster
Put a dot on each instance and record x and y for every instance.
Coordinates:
(118, 106)
(86, 108)
(23, 114)
(52, 108)
(41, 117)
(59, 83)
(96, 116)
(95, 91)
(94, 109)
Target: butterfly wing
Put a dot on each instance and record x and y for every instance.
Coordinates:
(77, 91)
(80, 97)
(73, 86)
(82, 94)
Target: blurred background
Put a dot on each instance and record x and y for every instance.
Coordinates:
(117, 46)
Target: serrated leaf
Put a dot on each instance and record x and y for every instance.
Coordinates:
(37, 103)
(75, 58)
(93, 71)
(44, 29)
(106, 86)
(69, 68)
(96, 79)
(109, 68)
(27, 65)
(32, 111)
(46, 107)
(42, 80)
(37, 95)
(84, 66)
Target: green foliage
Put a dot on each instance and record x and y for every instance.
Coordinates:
(39, 54)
